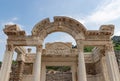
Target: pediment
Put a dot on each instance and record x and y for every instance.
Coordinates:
(58, 46)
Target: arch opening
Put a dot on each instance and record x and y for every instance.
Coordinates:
(59, 45)
(59, 37)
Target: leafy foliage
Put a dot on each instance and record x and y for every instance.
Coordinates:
(88, 48)
(116, 42)
(14, 62)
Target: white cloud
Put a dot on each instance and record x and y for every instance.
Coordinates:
(7, 22)
(14, 19)
(108, 11)
(60, 37)
(117, 33)
(2, 40)
(11, 21)
(78, 18)
(66, 38)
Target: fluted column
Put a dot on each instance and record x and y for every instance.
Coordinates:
(104, 68)
(6, 64)
(37, 65)
(81, 62)
(112, 63)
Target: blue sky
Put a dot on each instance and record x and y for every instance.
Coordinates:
(26, 13)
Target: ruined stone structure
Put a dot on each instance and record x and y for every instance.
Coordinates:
(98, 65)
(117, 53)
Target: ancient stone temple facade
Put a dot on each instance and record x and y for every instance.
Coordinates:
(98, 65)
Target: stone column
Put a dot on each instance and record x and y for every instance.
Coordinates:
(20, 64)
(104, 69)
(73, 72)
(43, 71)
(37, 65)
(6, 64)
(81, 63)
(112, 63)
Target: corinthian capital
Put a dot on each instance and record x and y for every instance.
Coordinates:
(80, 45)
(39, 48)
(10, 47)
(109, 48)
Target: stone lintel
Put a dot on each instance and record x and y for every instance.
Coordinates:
(24, 41)
(95, 42)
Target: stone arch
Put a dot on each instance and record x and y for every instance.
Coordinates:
(60, 24)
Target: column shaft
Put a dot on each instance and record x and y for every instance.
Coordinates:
(112, 64)
(104, 69)
(112, 67)
(81, 65)
(37, 65)
(6, 65)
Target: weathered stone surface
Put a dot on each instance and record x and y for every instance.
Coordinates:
(98, 65)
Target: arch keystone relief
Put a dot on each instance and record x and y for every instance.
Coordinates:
(97, 65)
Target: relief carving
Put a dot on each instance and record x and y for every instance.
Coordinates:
(58, 48)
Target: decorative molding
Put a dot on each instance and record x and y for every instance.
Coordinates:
(59, 49)
(13, 30)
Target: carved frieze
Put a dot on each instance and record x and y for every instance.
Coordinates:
(13, 30)
(109, 29)
(97, 37)
(59, 49)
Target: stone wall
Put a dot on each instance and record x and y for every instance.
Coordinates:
(59, 77)
(97, 77)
